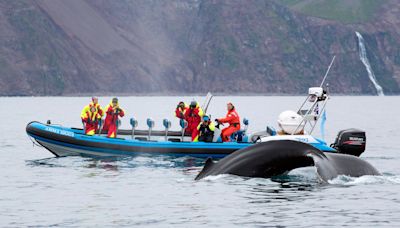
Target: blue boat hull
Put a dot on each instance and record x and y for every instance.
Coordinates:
(63, 141)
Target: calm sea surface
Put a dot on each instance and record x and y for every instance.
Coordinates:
(38, 190)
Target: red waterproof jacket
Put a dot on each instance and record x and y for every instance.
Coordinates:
(193, 117)
(180, 113)
(112, 117)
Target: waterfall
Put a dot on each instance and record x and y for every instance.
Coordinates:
(365, 61)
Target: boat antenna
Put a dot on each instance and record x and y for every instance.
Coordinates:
(207, 101)
(327, 72)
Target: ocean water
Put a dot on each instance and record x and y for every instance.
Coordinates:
(39, 190)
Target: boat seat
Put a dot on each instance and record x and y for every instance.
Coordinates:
(174, 140)
(141, 138)
(271, 131)
(240, 136)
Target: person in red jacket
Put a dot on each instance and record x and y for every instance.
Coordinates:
(233, 119)
(193, 117)
(90, 115)
(181, 110)
(113, 111)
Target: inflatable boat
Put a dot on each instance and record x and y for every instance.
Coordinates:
(62, 141)
(297, 126)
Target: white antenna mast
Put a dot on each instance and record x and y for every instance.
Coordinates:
(327, 72)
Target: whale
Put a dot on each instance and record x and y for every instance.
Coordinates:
(278, 157)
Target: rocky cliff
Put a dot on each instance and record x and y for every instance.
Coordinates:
(57, 47)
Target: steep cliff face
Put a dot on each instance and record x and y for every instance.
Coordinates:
(56, 47)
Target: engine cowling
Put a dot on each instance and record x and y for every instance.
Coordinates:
(350, 141)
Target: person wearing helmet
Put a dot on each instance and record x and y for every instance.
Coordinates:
(180, 110)
(90, 115)
(113, 112)
(193, 117)
(205, 130)
(233, 119)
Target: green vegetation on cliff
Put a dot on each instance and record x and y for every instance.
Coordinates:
(346, 11)
(62, 47)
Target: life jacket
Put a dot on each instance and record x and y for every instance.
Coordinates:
(179, 111)
(87, 114)
(205, 131)
(193, 117)
(232, 117)
(112, 117)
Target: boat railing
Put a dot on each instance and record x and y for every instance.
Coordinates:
(312, 109)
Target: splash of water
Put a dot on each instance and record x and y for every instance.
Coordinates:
(365, 61)
(365, 180)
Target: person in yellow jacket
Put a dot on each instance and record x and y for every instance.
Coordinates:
(90, 115)
(205, 130)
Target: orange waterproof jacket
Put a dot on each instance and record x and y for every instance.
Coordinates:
(232, 117)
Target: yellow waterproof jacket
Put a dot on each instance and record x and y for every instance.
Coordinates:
(86, 114)
(211, 126)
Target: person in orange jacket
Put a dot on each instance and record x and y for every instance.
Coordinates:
(232, 117)
(113, 111)
(90, 115)
(193, 117)
(180, 110)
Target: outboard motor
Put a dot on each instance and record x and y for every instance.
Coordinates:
(350, 141)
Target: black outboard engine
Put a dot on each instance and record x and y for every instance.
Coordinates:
(350, 141)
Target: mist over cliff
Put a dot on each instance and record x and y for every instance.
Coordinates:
(58, 47)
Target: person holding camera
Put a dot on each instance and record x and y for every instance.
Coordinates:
(90, 115)
(113, 112)
(193, 117)
(180, 110)
(205, 130)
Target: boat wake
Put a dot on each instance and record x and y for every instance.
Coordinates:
(308, 177)
(365, 180)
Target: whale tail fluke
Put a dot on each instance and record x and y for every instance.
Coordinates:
(342, 164)
(273, 158)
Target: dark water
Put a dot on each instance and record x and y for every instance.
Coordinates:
(39, 190)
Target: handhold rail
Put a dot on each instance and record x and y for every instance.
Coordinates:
(184, 125)
(150, 124)
(167, 125)
(134, 124)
